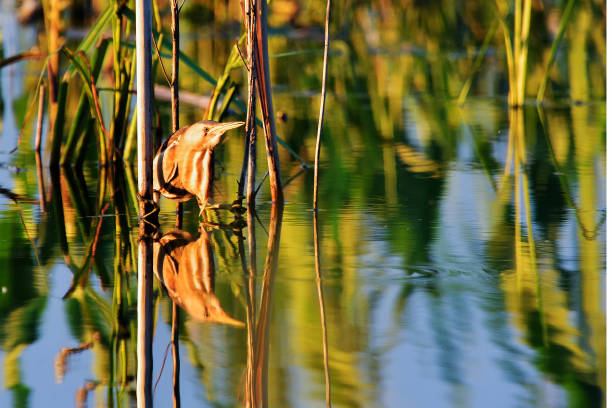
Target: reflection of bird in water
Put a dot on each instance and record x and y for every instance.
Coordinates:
(186, 268)
(181, 167)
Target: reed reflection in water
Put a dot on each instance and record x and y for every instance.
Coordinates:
(185, 266)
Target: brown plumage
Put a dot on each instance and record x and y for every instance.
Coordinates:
(181, 165)
(186, 268)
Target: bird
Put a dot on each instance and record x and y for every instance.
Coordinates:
(185, 267)
(181, 167)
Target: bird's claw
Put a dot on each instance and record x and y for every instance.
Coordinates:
(151, 202)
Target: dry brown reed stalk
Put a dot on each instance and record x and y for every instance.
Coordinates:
(249, 163)
(315, 198)
(265, 99)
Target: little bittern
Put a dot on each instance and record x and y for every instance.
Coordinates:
(181, 165)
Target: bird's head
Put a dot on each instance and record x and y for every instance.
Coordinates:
(206, 134)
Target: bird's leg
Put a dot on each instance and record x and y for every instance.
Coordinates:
(153, 202)
(235, 207)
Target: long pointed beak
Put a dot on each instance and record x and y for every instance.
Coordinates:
(221, 128)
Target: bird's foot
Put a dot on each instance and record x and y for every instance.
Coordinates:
(235, 207)
(150, 203)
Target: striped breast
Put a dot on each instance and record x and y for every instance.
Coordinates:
(195, 174)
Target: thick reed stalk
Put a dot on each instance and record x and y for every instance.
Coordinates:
(265, 98)
(145, 191)
(315, 195)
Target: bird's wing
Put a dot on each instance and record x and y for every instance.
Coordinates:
(174, 170)
(173, 173)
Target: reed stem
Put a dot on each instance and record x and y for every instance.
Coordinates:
(553, 49)
(39, 118)
(250, 151)
(265, 98)
(315, 197)
(145, 191)
(174, 88)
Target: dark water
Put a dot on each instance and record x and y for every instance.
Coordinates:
(462, 250)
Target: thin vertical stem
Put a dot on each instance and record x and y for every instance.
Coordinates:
(321, 307)
(174, 86)
(477, 63)
(315, 198)
(176, 385)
